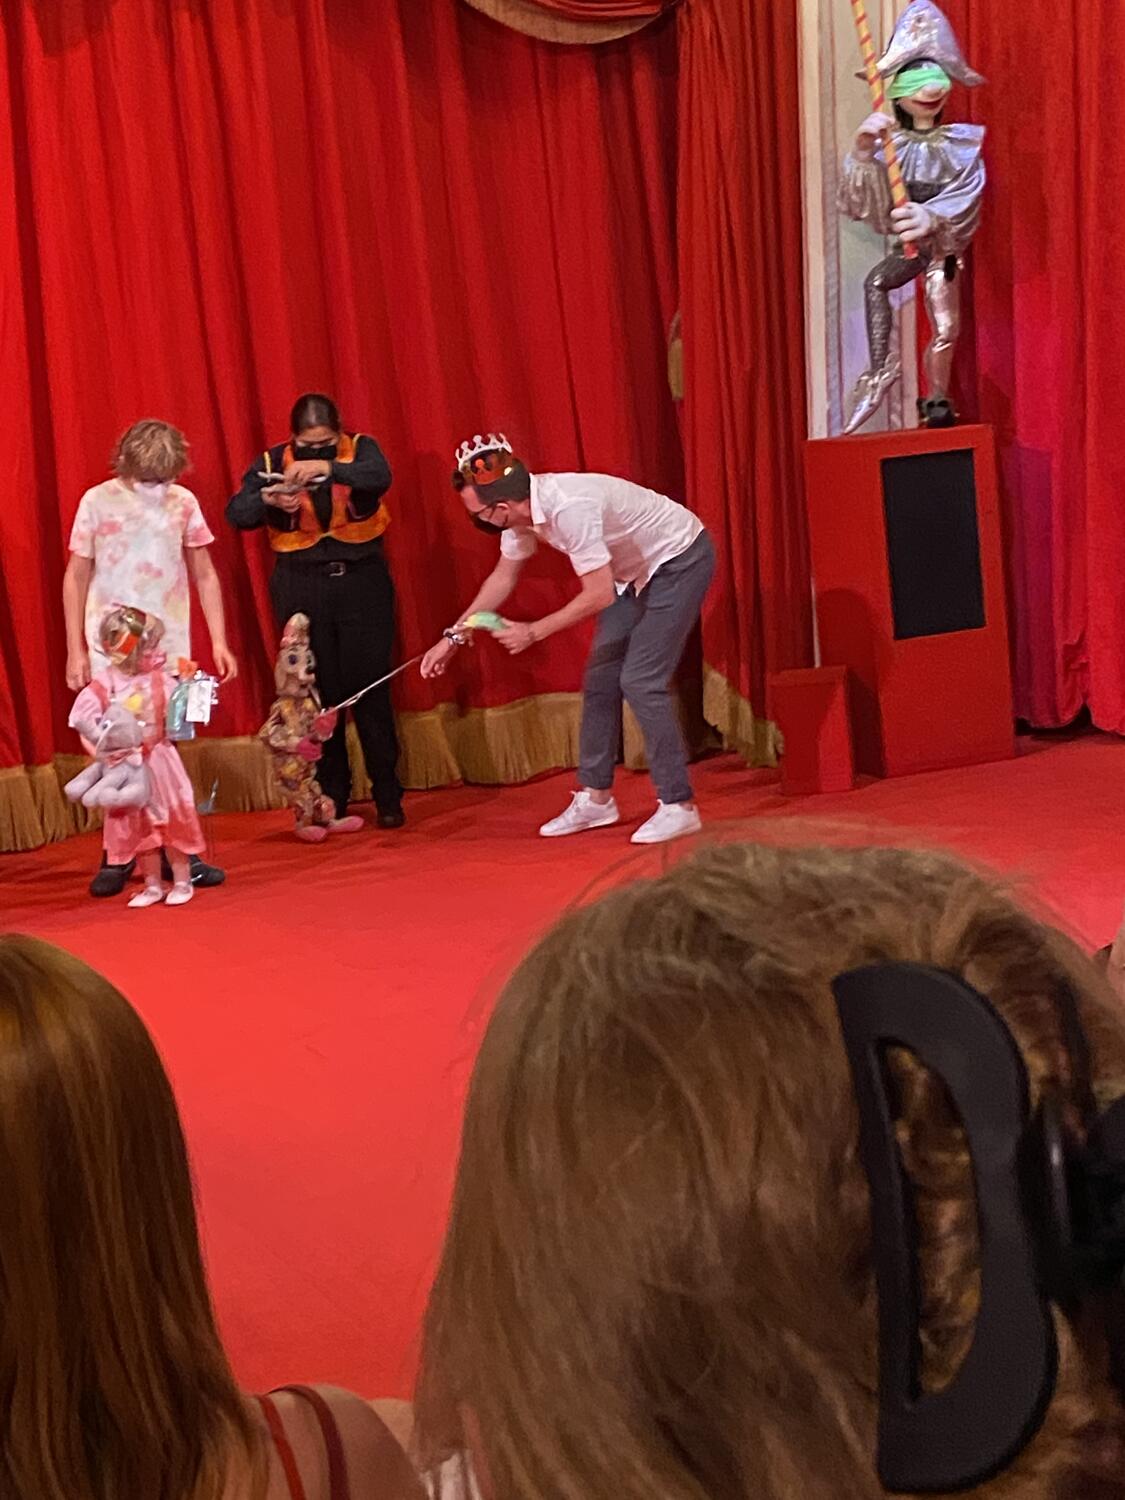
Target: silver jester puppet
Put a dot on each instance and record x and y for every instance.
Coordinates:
(943, 169)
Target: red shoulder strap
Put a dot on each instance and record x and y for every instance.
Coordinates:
(100, 692)
(338, 1488)
(397, 1480)
(284, 1448)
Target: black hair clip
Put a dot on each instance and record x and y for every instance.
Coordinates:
(962, 1435)
(1076, 1199)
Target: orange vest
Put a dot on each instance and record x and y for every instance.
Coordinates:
(343, 526)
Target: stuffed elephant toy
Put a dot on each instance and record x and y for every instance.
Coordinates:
(118, 776)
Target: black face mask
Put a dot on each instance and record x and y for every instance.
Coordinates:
(490, 527)
(315, 451)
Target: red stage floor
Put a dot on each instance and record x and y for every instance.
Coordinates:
(319, 1014)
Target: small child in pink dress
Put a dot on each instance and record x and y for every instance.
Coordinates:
(137, 679)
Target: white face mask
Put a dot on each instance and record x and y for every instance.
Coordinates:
(152, 491)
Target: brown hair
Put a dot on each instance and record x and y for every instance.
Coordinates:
(113, 1382)
(151, 450)
(513, 485)
(314, 410)
(657, 1278)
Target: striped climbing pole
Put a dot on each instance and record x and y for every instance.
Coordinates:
(899, 196)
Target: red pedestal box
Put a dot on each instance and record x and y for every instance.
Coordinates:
(909, 577)
(811, 709)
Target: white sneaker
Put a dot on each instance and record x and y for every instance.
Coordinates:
(671, 820)
(583, 813)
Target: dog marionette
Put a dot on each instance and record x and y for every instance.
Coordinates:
(295, 733)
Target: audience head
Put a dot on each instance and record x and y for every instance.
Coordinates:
(315, 425)
(151, 454)
(113, 1378)
(658, 1276)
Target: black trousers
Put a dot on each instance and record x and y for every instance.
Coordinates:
(351, 610)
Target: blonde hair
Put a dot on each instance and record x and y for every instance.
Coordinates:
(151, 450)
(114, 1383)
(657, 1278)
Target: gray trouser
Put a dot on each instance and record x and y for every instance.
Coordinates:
(637, 648)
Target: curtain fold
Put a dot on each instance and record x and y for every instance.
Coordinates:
(603, 10)
(552, 25)
(220, 206)
(1046, 336)
(744, 414)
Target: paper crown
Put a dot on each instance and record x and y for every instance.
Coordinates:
(924, 31)
(491, 442)
(296, 632)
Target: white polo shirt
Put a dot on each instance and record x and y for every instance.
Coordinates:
(596, 519)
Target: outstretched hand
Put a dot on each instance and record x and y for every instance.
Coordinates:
(437, 658)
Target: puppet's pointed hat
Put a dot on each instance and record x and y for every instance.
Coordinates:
(924, 31)
(296, 632)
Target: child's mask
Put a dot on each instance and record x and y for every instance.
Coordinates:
(152, 489)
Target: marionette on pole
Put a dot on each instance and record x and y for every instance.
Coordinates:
(913, 176)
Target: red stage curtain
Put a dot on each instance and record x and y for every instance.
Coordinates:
(443, 222)
(603, 10)
(1047, 336)
(743, 334)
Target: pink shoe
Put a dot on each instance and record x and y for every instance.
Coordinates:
(346, 825)
(312, 833)
(152, 895)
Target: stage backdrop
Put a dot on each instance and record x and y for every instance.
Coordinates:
(743, 348)
(1045, 352)
(447, 224)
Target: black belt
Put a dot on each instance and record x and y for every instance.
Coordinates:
(336, 568)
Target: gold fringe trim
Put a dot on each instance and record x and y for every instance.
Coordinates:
(440, 746)
(32, 811)
(237, 769)
(490, 746)
(758, 741)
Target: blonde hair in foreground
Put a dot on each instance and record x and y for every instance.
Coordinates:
(657, 1280)
(151, 450)
(113, 1383)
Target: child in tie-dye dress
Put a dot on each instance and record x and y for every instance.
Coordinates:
(139, 538)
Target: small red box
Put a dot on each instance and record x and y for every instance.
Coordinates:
(810, 707)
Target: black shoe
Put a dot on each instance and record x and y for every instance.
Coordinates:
(937, 411)
(203, 875)
(394, 817)
(111, 879)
